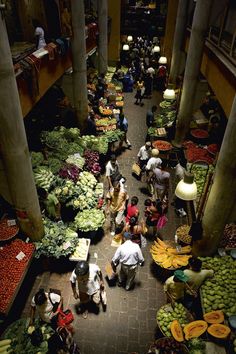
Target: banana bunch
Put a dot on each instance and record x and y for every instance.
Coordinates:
(169, 257)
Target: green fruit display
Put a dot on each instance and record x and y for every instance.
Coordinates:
(200, 175)
(166, 314)
(219, 292)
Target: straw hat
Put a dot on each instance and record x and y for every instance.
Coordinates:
(155, 152)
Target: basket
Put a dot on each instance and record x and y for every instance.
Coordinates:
(12, 231)
(182, 234)
(162, 145)
(181, 347)
(169, 308)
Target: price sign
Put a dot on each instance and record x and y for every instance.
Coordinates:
(66, 245)
(20, 256)
(11, 222)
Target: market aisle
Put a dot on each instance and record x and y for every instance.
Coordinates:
(129, 324)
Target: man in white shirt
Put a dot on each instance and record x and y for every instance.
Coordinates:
(89, 280)
(39, 34)
(129, 255)
(112, 171)
(154, 161)
(144, 154)
(46, 305)
(161, 181)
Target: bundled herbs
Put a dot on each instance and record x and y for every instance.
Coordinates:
(54, 139)
(59, 240)
(89, 220)
(54, 164)
(36, 159)
(113, 135)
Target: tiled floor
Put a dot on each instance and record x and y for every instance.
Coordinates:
(129, 324)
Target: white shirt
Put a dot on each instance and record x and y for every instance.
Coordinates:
(39, 32)
(129, 253)
(179, 171)
(153, 162)
(143, 153)
(161, 178)
(90, 285)
(46, 310)
(110, 169)
(151, 71)
(195, 279)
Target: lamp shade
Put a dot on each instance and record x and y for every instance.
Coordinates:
(156, 49)
(162, 60)
(169, 94)
(186, 189)
(125, 47)
(130, 38)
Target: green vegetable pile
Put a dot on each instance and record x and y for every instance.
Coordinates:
(196, 346)
(76, 160)
(36, 159)
(200, 175)
(58, 241)
(113, 135)
(89, 220)
(166, 315)
(21, 338)
(219, 292)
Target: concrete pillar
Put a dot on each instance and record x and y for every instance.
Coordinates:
(114, 8)
(14, 149)
(222, 197)
(177, 49)
(192, 69)
(103, 36)
(79, 63)
(169, 29)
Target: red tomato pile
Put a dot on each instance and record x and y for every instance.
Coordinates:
(212, 149)
(199, 133)
(12, 270)
(7, 232)
(162, 145)
(194, 153)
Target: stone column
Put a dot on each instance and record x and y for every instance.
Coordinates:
(222, 197)
(14, 148)
(79, 63)
(177, 49)
(192, 69)
(103, 36)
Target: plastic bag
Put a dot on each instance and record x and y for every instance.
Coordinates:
(161, 222)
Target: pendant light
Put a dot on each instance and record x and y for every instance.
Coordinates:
(130, 38)
(169, 94)
(156, 49)
(125, 47)
(186, 189)
(162, 60)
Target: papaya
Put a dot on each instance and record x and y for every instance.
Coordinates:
(195, 329)
(218, 330)
(176, 331)
(214, 317)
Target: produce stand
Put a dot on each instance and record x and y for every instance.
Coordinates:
(81, 250)
(162, 343)
(168, 309)
(13, 271)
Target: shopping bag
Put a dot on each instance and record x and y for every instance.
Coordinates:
(64, 318)
(136, 169)
(161, 222)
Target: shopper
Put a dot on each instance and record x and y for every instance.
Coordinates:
(152, 213)
(150, 116)
(46, 304)
(140, 91)
(178, 203)
(122, 124)
(196, 275)
(89, 280)
(62, 342)
(129, 256)
(91, 128)
(132, 209)
(116, 204)
(161, 181)
(135, 229)
(39, 34)
(152, 163)
(144, 154)
(112, 171)
(175, 287)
